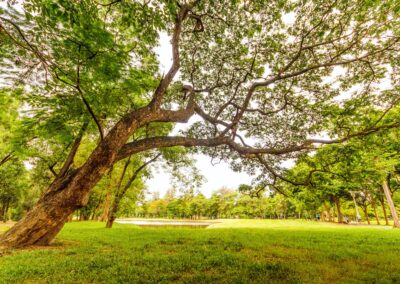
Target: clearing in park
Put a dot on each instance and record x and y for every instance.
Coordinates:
(229, 251)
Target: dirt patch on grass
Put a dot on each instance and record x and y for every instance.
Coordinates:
(56, 245)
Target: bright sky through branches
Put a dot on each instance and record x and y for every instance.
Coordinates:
(217, 175)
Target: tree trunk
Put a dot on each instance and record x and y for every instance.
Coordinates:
(107, 201)
(389, 200)
(382, 201)
(83, 217)
(375, 211)
(2, 214)
(112, 213)
(365, 208)
(7, 206)
(71, 192)
(339, 212)
(95, 210)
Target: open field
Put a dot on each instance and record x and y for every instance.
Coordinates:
(232, 251)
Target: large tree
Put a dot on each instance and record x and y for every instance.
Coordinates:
(260, 78)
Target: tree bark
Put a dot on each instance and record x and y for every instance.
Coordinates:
(375, 211)
(2, 214)
(107, 201)
(382, 201)
(4, 211)
(96, 208)
(112, 213)
(339, 211)
(389, 200)
(365, 209)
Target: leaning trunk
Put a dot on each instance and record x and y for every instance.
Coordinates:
(107, 201)
(375, 212)
(389, 200)
(382, 201)
(112, 213)
(71, 192)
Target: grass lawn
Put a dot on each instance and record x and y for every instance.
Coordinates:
(233, 251)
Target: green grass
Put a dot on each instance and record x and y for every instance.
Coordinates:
(233, 251)
(286, 224)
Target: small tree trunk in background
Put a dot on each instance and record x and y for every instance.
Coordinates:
(3, 211)
(83, 217)
(375, 211)
(365, 208)
(327, 210)
(339, 212)
(389, 200)
(2, 217)
(93, 216)
(382, 201)
(107, 202)
(112, 213)
(96, 209)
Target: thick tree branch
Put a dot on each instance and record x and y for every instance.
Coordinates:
(167, 79)
(171, 141)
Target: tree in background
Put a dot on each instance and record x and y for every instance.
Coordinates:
(13, 181)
